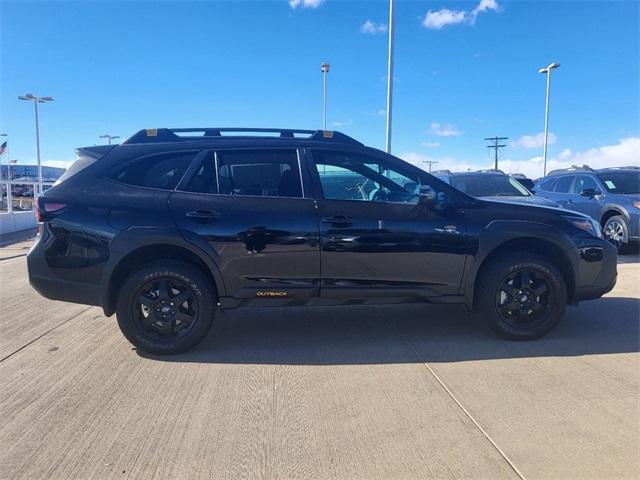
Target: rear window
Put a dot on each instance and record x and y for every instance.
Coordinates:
(162, 171)
(260, 173)
(563, 185)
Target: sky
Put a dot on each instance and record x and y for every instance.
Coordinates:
(464, 71)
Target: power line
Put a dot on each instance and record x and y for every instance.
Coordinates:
(496, 146)
(430, 162)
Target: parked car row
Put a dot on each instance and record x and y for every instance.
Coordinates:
(610, 195)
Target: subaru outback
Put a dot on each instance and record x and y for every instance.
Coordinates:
(176, 225)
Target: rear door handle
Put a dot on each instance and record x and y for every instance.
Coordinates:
(338, 220)
(204, 215)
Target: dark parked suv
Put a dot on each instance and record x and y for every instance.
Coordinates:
(610, 195)
(175, 224)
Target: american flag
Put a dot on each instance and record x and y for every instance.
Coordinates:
(3, 148)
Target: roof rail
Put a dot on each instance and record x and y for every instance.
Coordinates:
(441, 171)
(154, 135)
(572, 168)
(490, 170)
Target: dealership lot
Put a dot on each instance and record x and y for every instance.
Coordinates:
(362, 392)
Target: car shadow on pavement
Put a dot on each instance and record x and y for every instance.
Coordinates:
(403, 334)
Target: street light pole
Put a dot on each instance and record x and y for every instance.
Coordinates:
(324, 68)
(109, 137)
(389, 80)
(547, 70)
(36, 100)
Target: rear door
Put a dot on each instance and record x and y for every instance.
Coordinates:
(251, 209)
(376, 239)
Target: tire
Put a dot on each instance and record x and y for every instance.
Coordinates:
(150, 312)
(514, 310)
(616, 232)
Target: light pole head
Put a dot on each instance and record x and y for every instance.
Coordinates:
(46, 99)
(548, 69)
(324, 67)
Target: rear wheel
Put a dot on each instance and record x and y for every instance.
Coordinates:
(166, 307)
(616, 232)
(522, 296)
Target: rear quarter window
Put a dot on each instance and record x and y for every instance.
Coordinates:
(161, 171)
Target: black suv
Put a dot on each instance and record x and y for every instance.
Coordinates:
(175, 224)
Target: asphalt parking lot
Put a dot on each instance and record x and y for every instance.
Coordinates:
(363, 392)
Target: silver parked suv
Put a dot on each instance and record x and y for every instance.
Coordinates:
(609, 195)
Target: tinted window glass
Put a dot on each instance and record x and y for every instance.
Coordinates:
(264, 173)
(155, 171)
(486, 185)
(547, 185)
(621, 182)
(204, 180)
(345, 176)
(563, 185)
(582, 183)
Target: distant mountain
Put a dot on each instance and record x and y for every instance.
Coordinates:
(30, 172)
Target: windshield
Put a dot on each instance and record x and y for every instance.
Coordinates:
(621, 182)
(482, 185)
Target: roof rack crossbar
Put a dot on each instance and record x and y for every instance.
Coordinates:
(171, 134)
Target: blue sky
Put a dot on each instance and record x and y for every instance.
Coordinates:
(465, 71)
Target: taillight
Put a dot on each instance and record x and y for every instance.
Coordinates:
(46, 207)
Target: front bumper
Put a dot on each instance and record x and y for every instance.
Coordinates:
(595, 269)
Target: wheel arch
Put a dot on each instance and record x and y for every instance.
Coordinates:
(543, 240)
(169, 245)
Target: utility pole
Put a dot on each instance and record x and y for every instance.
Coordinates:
(496, 146)
(430, 163)
(389, 80)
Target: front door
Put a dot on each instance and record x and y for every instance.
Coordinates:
(376, 238)
(250, 207)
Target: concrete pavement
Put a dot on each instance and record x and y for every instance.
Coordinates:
(364, 392)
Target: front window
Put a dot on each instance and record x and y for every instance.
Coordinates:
(621, 182)
(482, 185)
(345, 176)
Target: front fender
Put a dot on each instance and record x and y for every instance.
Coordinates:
(499, 233)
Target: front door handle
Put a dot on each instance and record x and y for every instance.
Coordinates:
(203, 215)
(342, 220)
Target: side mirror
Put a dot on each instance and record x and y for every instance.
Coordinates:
(427, 194)
(589, 192)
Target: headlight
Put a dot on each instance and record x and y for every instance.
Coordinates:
(637, 205)
(586, 224)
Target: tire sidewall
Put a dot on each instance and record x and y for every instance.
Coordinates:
(201, 288)
(625, 230)
(491, 281)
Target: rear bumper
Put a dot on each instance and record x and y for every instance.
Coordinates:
(596, 270)
(50, 285)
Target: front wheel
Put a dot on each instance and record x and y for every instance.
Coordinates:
(616, 232)
(166, 307)
(522, 296)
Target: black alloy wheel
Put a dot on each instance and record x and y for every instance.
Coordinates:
(523, 297)
(165, 308)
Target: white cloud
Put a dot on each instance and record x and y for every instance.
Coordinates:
(342, 124)
(444, 130)
(485, 5)
(382, 112)
(373, 28)
(430, 144)
(533, 141)
(305, 3)
(624, 153)
(438, 19)
(441, 18)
